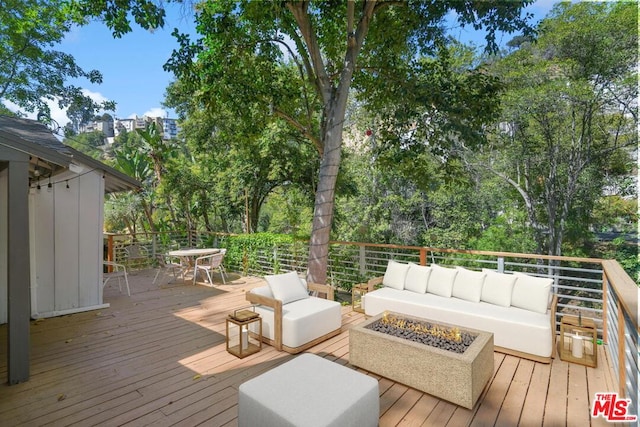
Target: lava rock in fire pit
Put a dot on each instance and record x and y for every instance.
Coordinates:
(425, 333)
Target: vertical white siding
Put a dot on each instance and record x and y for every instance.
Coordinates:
(42, 237)
(68, 243)
(66, 238)
(90, 242)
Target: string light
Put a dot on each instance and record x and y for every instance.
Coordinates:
(66, 180)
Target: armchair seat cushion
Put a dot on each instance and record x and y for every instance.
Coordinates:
(303, 320)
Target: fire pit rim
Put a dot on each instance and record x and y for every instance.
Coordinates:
(481, 337)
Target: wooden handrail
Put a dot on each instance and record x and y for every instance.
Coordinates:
(624, 287)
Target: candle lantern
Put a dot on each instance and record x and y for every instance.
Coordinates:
(357, 292)
(244, 332)
(579, 341)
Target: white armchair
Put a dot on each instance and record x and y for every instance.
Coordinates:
(292, 320)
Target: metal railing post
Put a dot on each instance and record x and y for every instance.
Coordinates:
(362, 260)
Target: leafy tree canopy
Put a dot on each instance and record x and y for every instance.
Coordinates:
(334, 45)
(31, 72)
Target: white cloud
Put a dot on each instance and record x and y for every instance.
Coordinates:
(153, 112)
(156, 112)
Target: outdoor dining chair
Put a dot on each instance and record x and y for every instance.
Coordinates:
(117, 271)
(169, 264)
(208, 264)
(136, 256)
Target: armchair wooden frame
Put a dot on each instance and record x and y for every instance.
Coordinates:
(276, 305)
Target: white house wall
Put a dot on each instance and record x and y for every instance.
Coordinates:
(42, 250)
(68, 244)
(91, 245)
(66, 238)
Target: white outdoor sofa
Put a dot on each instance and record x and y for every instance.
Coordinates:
(518, 309)
(292, 320)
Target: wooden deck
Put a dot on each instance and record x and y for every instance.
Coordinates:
(158, 358)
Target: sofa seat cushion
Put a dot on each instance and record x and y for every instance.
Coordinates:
(512, 327)
(303, 320)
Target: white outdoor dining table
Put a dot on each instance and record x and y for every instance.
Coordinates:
(189, 255)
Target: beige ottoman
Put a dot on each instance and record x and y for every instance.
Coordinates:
(309, 391)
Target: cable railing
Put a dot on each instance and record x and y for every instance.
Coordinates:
(593, 288)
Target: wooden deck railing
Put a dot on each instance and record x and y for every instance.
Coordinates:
(595, 288)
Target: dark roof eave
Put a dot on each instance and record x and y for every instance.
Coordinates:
(12, 141)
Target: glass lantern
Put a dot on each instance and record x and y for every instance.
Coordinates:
(357, 292)
(579, 341)
(244, 333)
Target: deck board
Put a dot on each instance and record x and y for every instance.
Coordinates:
(158, 358)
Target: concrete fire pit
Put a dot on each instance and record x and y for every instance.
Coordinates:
(457, 378)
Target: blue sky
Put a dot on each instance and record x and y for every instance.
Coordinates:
(132, 65)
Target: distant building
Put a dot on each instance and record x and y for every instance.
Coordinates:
(106, 127)
(168, 127)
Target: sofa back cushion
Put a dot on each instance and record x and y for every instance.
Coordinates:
(531, 293)
(441, 280)
(417, 278)
(287, 287)
(468, 284)
(395, 275)
(497, 288)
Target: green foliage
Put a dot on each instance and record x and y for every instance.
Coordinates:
(615, 213)
(241, 63)
(626, 253)
(243, 249)
(31, 72)
(568, 115)
(90, 143)
(241, 162)
(507, 233)
(287, 211)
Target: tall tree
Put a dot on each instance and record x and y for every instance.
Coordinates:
(570, 115)
(31, 72)
(336, 45)
(243, 160)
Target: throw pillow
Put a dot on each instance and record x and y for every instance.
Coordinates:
(417, 278)
(264, 291)
(468, 284)
(531, 293)
(287, 287)
(497, 288)
(395, 275)
(441, 280)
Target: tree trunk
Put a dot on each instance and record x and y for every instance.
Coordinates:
(148, 215)
(334, 97)
(323, 209)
